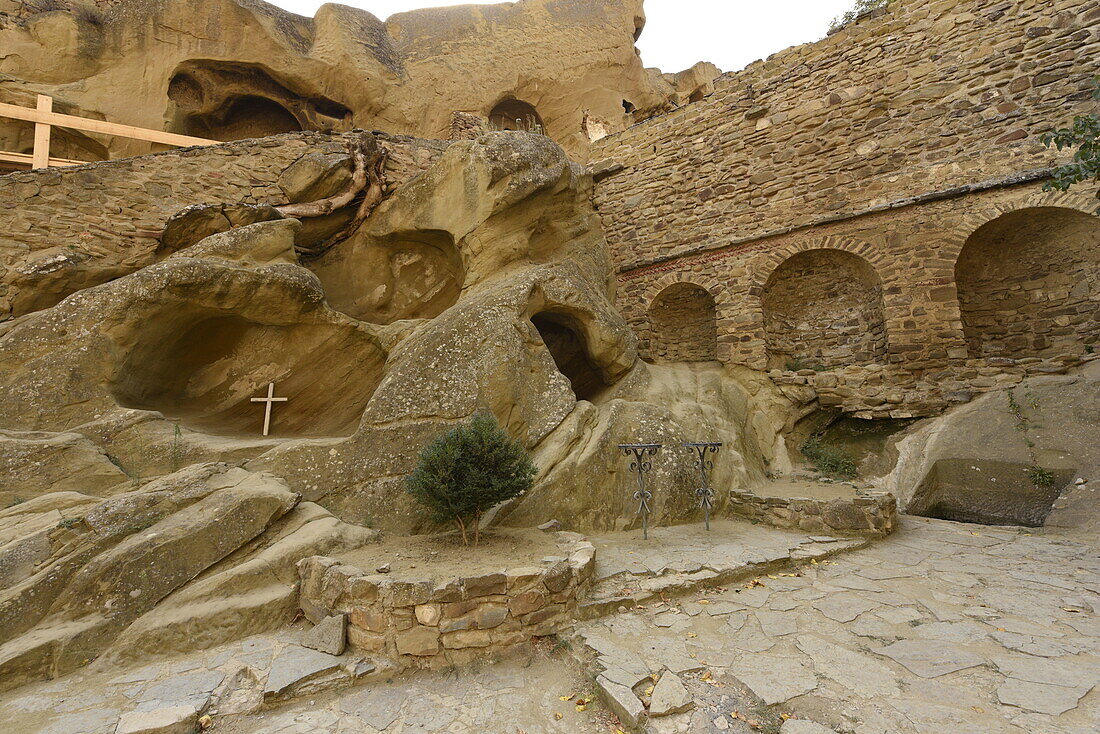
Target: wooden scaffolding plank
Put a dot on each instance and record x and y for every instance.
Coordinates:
(16, 112)
(41, 156)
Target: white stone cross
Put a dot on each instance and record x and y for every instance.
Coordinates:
(267, 409)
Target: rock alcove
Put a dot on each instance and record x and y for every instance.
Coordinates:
(204, 368)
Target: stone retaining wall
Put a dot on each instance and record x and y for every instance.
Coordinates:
(62, 229)
(871, 514)
(424, 623)
(884, 391)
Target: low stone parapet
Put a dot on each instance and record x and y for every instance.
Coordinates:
(870, 514)
(428, 622)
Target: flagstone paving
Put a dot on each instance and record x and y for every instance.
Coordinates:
(943, 627)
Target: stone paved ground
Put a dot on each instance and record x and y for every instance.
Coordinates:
(943, 628)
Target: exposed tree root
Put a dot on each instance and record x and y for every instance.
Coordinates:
(368, 178)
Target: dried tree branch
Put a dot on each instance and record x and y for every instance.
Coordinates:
(369, 174)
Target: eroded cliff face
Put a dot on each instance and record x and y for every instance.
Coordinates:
(249, 69)
(484, 283)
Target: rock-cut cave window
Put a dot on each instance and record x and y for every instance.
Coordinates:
(514, 114)
(570, 355)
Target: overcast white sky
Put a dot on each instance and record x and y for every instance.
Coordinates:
(731, 33)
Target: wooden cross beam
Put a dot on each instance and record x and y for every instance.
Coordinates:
(41, 155)
(44, 118)
(267, 409)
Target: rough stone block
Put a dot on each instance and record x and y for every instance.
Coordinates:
(670, 696)
(328, 635)
(360, 639)
(490, 583)
(171, 720)
(527, 602)
(369, 620)
(419, 641)
(622, 701)
(467, 638)
(429, 614)
(557, 577)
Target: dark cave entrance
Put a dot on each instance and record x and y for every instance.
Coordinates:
(570, 354)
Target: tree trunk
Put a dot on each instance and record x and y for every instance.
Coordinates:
(462, 527)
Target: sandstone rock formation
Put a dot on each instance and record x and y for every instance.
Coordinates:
(974, 463)
(251, 69)
(483, 283)
(79, 572)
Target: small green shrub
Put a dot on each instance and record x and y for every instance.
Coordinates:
(1084, 136)
(1040, 477)
(16, 501)
(469, 469)
(830, 461)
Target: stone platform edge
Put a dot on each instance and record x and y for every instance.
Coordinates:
(425, 624)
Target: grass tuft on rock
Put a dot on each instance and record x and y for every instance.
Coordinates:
(469, 469)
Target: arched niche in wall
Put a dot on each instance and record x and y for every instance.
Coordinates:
(1029, 284)
(822, 309)
(514, 114)
(683, 325)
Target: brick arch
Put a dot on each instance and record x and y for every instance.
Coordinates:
(839, 319)
(683, 324)
(763, 266)
(724, 305)
(1027, 277)
(978, 217)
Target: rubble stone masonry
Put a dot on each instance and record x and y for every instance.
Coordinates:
(67, 220)
(893, 141)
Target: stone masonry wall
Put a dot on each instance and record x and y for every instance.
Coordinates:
(873, 514)
(893, 140)
(824, 307)
(422, 623)
(66, 228)
(682, 325)
(928, 96)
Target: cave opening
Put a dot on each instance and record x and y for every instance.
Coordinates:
(570, 352)
(202, 368)
(516, 115)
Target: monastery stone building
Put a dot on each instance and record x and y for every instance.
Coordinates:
(252, 263)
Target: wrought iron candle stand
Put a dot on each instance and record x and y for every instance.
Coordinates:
(705, 466)
(641, 466)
